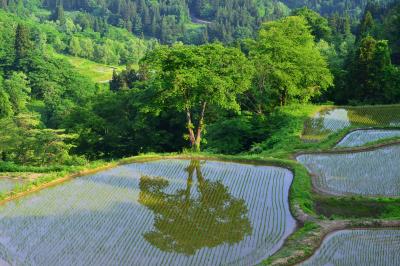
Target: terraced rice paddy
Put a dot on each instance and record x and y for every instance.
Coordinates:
(359, 247)
(171, 212)
(333, 120)
(369, 173)
(362, 137)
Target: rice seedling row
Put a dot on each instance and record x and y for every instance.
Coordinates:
(368, 173)
(168, 212)
(359, 247)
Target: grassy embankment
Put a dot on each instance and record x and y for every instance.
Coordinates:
(98, 73)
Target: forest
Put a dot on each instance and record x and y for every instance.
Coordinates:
(226, 98)
(171, 21)
(264, 81)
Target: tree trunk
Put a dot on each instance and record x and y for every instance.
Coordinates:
(200, 127)
(282, 97)
(190, 128)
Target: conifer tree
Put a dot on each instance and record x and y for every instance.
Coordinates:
(22, 43)
(366, 25)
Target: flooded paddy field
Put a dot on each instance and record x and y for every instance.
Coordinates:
(331, 120)
(368, 173)
(358, 247)
(167, 212)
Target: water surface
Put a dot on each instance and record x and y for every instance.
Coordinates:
(332, 120)
(358, 247)
(170, 212)
(369, 173)
(361, 137)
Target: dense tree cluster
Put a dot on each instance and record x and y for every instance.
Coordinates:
(236, 19)
(368, 72)
(220, 96)
(326, 7)
(212, 85)
(36, 92)
(77, 35)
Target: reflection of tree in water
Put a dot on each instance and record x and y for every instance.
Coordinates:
(185, 224)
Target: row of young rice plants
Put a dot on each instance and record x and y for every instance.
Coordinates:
(332, 120)
(367, 173)
(167, 212)
(358, 247)
(363, 136)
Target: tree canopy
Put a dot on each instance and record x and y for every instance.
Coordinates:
(290, 67)
(192, 77)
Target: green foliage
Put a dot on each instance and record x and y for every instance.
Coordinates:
(23, 141)
(236, 134)
(22, 43)
(190, 78)
(6, 109)
(366, 26)
(290, 67)
(371, 73)
(357, 207)
(318, 24)
(18, 91)
(326, 7)
(113, 126)
(113, 46)
(296, 243)
(390, 26)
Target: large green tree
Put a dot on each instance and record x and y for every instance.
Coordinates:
(192, 78)
(289, 65)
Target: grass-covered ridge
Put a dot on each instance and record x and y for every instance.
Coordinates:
(97, 72)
